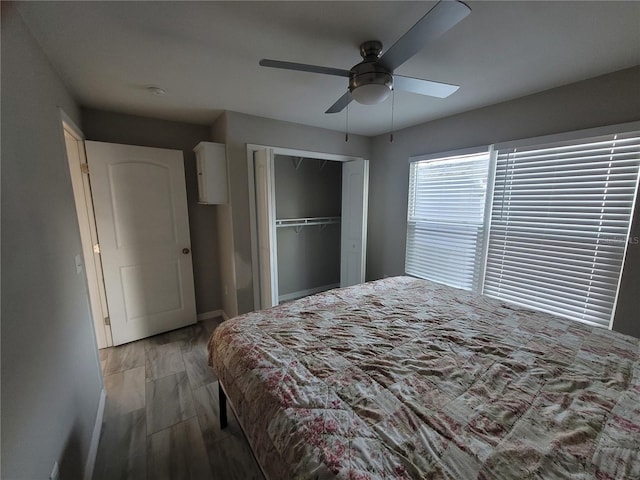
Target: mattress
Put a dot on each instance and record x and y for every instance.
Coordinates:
(404, 378)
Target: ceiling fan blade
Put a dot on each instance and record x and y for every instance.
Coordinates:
(303, 67)
(423, 87)
(342, 102)
(437, 21)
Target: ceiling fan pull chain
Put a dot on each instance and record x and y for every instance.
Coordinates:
(393, 102)
(346, 128)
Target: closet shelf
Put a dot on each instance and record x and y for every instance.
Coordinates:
(298, 223)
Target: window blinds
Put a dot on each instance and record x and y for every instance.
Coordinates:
(445, 219)
(559, 225)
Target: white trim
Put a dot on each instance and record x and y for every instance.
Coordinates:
(87, 230)
(253, 218)
(211, 314)
(568, 136)
(304, 153)
(225, 317)
(307, 292)
(450, 153)
(95, 438)
(70, 124)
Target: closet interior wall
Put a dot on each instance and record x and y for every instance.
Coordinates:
(308, 256)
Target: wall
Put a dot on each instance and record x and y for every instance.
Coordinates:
(605, 100)
(133, 130)
(51, 380)
(627, 318)
(308, 258)
(244, 129)
(225, 235)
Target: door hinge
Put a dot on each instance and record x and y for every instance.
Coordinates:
(107, 321)
(84, 168)
(96, 248)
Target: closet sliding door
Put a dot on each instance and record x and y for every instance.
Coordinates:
(355, 198)
(265, 215)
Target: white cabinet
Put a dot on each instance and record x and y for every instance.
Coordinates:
(211, 163)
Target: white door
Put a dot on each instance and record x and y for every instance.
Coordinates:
(140, 203)
(355, 195)
(266, 218)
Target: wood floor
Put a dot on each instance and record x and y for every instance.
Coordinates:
(161, 413)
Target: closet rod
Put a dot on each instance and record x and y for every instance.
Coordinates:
(308, 221)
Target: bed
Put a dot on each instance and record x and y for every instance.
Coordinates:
(403, 378)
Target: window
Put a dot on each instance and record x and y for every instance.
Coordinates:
(560, 220)
(558, 223)
(445, 224)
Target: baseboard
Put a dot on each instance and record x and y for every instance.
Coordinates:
(212, 314)
(224, 315)
(306, 293)
(95, 438)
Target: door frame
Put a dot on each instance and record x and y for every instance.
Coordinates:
(88, 233)
(253, 218)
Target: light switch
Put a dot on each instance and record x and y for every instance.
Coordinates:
(78, 264)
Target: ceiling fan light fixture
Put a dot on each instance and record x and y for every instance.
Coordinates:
(369, 84)
(371, 94)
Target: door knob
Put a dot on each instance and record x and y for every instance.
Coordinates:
(185, 251)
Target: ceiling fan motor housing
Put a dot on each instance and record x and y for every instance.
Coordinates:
(370, 82)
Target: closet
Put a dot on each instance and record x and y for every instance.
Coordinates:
(309, 215)
(308, 196)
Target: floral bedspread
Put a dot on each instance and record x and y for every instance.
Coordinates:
(404, 379)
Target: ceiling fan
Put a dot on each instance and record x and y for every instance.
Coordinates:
(372, 80)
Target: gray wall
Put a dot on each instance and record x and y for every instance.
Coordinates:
(133, 130)
(309, 258)
(225, 234)
(242, 129)
(627, 318)
(308, 191)
(51, 380)
(605, 100)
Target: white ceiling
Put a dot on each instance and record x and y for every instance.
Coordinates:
(205, 55)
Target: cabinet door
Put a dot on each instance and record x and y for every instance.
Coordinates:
(211, 163)
(355, 197)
